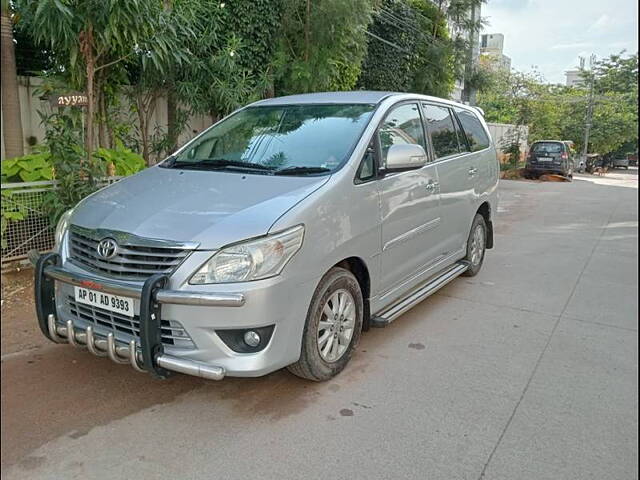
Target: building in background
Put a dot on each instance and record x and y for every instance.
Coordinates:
(574, 77)
(491, 51)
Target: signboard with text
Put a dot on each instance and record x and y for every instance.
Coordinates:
(68, 100)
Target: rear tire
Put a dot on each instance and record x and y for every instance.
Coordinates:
(476, 246)
(321, 358)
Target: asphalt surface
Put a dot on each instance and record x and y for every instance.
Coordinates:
(527, 371)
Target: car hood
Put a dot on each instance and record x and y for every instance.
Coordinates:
(211, 208)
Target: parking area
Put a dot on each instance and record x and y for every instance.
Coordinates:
(527, 371)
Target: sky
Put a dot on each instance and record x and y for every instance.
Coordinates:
(550, 35)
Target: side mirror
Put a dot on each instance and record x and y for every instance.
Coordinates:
(405, 156)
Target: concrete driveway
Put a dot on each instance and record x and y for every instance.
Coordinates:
(527, 371)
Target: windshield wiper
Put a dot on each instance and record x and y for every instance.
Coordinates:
(301, 170)
(220, 164)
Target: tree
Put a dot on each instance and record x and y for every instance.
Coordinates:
(617, 74)
(393, 38)
(558, 112)
(432, 70)
(322, 45)
(419, 45)
(11, 117)
(226, 66)
(94, 35)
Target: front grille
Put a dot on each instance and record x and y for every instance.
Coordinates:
(125, 328)
(133, 262)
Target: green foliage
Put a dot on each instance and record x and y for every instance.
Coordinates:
(76, 176)
(256, 24)
(513, 151)
(124, 160)
(230, 47)
(106, 31)
(432, 71)
(11, 211)
(558, 112)
(30, 59)
(617, 73)
(321, 46)
(390, 48)
(410, 49)
(33, 167)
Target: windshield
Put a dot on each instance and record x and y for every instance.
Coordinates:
(283, 139)
(547, 147)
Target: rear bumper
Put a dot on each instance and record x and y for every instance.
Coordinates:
(533, 168)
(278, 302)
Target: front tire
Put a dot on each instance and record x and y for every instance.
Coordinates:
(476, 246)
(333, 327)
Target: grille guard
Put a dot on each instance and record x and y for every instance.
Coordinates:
(150, 356)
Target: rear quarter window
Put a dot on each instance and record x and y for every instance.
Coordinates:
(473, 129)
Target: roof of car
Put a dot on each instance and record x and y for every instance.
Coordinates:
(360, 96)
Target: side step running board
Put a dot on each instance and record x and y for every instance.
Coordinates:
(394, 311)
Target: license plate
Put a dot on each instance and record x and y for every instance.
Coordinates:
(113, 303)
(545, 159)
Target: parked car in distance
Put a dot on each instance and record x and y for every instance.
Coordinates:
(549, 156)
(275, 237)
(620, 162)
(633, 159)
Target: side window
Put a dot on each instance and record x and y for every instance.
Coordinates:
(402, 125)
(477, 137)
(462, 140)
(442, 131)
(367, 168)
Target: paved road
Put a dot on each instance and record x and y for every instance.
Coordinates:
(527, 371)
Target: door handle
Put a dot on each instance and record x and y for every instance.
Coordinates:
(473, 171)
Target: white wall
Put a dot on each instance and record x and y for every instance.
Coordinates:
(30, 104)
(500, 133)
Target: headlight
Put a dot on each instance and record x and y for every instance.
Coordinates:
(62, 227)
(251, 260)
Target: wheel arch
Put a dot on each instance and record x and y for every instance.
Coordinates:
(359, 269)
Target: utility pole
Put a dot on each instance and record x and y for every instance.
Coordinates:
(587, 125)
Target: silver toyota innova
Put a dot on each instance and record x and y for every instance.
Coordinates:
(275, 237)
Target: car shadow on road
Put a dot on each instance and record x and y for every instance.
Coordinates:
(59, 390)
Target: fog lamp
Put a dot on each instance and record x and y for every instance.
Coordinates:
(252, 338)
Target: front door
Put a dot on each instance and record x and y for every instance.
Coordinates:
(410, 205)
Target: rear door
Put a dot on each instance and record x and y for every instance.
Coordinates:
(410, 205)
(456, 171)
(482, 156)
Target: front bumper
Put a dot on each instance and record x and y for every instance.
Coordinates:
(149, 355)
(280, 302)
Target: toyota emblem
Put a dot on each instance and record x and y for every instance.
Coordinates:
(107, 248)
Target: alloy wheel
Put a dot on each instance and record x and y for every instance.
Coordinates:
(336, 325)
(477, 245)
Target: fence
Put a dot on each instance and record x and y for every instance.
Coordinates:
(34, 230)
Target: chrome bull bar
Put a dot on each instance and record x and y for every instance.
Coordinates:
(147, 356)
(123, 354)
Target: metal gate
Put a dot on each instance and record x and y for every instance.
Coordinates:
(34, 230)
